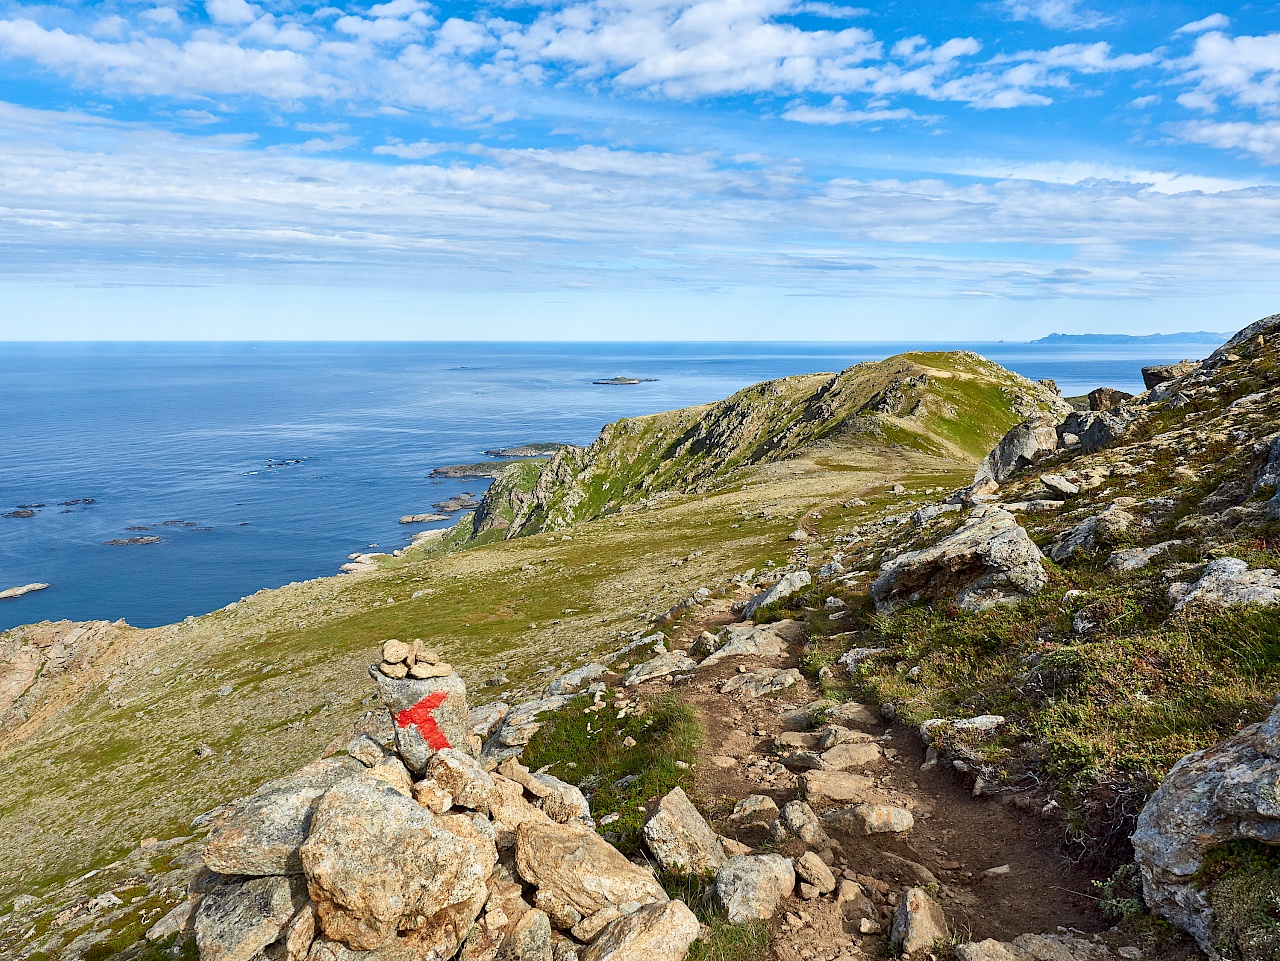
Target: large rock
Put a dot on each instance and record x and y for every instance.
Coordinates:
(664, 665)
(785, 587)
(989, 560)
(755, 640)
(1021, 447)
(1157, 374)
(1038, 947)
(1105, 398)
(760, 683)
(751, 885)
(1227, 792)
(522, 723)
(581, 868)
(919, 923)
(1228, 582)
(575, 681)
(1095, 430)
(837, 787)
(262, 834)
(657, 932)
(680, 838)
(378, 863)
(429, 714)
(238, 919)
(462, 776)
(870, 818)
(1091, 533)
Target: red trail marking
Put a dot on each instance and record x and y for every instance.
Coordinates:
(422, 716)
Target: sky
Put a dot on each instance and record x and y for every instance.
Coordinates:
(636, 169)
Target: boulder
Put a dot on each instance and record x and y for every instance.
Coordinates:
(1105, 398)
(575, 681)
(581, 868)
(785, 587)
(852, 754)
(680, 839)
(1157, 374)
(530, 940)
(521, 724)
(1021, 447)
(811, 868)
(1091, 533)
(1228, 582)
(1058, 486)
(798, 820)
(760, 683)
(1226, 792)
(989, 560)
(837, 787)
(869, 818)
(755, 640)
(262, 834)
(430, 714)
(664, 665)
(238, 919)
(1095, 430)
(1063, 946)
(919, 923)
(1136, 558)
(754, 809)
(377, 864)
(462, 777)
(657, 932)
(484, 720)
(750, 886)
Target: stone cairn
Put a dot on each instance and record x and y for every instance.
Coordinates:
(409, 848)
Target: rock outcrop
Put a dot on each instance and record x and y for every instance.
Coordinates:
(787, 585)
(409, 849)
(1227, 792)
(1227, 582)
(989, 560)
(1021, 447)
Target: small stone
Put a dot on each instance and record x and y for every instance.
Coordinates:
(750, 887)
(423, 670)
(811, 868)
(395, 670)
(918, 923)
(432, 796)
(871, 819)
(395, 652)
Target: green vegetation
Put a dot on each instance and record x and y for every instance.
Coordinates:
(1243, 885)
(588, 749)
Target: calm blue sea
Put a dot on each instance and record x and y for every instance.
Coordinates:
(262, 464)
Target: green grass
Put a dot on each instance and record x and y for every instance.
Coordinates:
(596, 760)
(750, 941)
(1243, 884)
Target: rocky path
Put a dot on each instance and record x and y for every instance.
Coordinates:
(997, 871)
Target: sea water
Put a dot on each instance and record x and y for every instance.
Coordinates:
(260, 464)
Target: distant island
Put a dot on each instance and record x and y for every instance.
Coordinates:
(618, 381)
(1186, 337)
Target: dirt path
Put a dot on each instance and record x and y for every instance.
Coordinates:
(999, 872)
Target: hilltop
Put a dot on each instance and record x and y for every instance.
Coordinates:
(1011, 620)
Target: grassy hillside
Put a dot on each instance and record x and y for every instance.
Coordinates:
(267, 682)
(945, 404)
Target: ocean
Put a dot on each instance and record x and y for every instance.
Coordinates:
(259, 464)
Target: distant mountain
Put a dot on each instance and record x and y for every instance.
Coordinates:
(1186, 337)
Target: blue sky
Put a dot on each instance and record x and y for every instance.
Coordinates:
(623, 169)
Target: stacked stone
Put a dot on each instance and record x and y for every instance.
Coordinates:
(400, 660)
(407, 848)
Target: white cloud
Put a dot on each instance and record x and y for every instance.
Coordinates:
(104, 199)
(1215, 21)
(157, 66)
(1150, 100)
(327, 144)
(232, 11)
(164, 16)
(1058, 14)
(1244, 70)
(1261, 139)
(838, 111)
